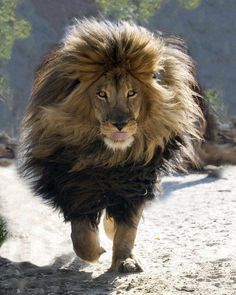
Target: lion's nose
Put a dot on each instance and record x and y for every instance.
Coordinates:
(120, 124)
(119, 119)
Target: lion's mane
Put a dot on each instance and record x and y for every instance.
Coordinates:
(69, 165)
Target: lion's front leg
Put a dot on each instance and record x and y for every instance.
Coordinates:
(123, 259)
(85, 240)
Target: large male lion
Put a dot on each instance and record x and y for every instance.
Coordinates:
(111, 108)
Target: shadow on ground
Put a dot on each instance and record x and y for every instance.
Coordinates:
(29, 279)
(170, 186)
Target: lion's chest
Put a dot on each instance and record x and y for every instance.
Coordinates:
(93, 189)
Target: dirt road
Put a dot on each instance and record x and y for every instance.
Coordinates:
(186, 242)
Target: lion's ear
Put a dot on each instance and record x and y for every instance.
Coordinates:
(52, 82)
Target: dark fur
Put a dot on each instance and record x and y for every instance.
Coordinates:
(84, 194)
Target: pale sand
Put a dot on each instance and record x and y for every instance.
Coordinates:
(186, 242)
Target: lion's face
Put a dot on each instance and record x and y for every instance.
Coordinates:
(116, 98)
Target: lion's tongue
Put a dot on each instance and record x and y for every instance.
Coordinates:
(119, 136)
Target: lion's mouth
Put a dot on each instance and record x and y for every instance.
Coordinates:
(119, 140)
(119, 136)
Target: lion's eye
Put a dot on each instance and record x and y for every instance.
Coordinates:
(102, 95)
(131, 93)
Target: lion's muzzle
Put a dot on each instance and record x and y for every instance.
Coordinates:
(119, 136)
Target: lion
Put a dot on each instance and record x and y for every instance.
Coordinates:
(112, 107)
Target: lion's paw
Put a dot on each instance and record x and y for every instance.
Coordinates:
(129, 265)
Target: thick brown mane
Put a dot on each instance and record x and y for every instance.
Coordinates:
(60, 111)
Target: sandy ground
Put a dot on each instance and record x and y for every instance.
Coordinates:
(186, 242)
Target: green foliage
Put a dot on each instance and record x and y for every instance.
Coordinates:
(3, 231)
(119, 9)
(147, 9)
(139, 10)
(11, 28)
(214, 99)
(190, 4)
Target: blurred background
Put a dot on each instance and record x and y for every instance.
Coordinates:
(30, 28)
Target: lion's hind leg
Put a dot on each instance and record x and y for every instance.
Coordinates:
(85, 240)
(109, 226)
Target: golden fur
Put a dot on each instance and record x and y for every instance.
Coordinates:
(120, 101)
(167, 108)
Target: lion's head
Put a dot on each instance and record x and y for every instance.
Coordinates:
(114, 83)
(116, 98)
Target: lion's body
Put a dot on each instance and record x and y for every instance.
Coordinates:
(84, 194)
(111, 108)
